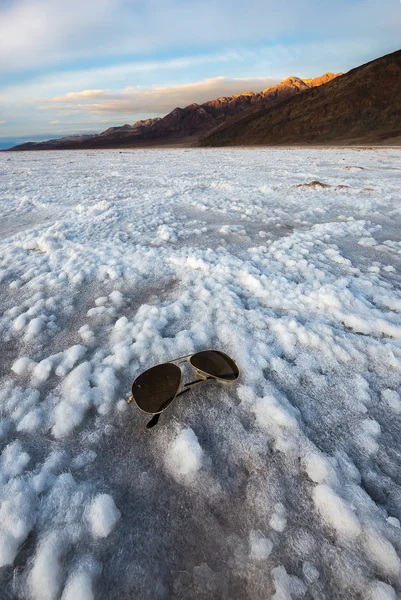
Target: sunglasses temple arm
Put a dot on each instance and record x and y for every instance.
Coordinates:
(196, 382)
(153, 421)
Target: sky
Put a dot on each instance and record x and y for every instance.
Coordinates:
(85, 65)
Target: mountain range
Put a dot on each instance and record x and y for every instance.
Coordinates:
(360, 107)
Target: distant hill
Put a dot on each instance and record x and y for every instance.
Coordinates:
(184, 125)
(361, 107)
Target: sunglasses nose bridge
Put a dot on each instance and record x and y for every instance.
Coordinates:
(179, 362)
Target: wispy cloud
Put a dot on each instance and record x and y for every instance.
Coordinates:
(44, 32)
(79, 95)
(41, 33)
(44, 85)
(156, 100)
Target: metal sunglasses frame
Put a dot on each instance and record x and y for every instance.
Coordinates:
(182, 388)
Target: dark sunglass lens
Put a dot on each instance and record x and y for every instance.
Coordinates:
(156, 388)
(215, 363)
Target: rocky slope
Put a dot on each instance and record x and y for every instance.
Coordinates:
(361, 107)
(185, 124)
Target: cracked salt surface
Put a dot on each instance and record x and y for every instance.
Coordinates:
(285, 485)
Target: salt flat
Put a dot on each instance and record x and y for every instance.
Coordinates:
(284, 485)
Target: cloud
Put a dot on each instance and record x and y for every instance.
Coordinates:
(156, 100)
(39, 33)
(36, 33)
(79, 95)
(112, 76)
(2, 122)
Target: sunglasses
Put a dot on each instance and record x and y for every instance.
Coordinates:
(155, 389)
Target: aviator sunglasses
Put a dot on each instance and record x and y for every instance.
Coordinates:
(155, 389)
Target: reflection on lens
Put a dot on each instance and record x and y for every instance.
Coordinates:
(156, 388)
(215, 363)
